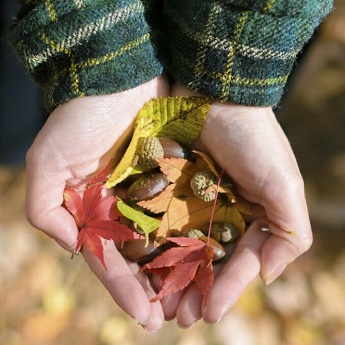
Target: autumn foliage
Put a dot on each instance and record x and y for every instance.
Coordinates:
(92, 214)
(190, 262)
(167, 216)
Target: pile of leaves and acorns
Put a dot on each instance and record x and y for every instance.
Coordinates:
(173, 211)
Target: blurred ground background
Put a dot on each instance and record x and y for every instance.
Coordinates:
(47, 298)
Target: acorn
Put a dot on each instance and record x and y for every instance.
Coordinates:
(219, 251)
(148, 149)
(194, 233)
(222, 232)
(137, 251)
(201, 183)
(147, 186)
(173, 149)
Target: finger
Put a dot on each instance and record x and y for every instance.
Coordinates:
(189, 309)
(157, 316)
(242, 268)
(44, 197)
(289, 223)
(118, 279)
(190, 306)
(170, 302)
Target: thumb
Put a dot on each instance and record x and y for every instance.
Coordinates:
(290, 229)
(44, 197)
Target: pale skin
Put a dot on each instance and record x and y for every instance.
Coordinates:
(81, 136)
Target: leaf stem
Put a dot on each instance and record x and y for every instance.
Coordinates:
(291, 232)
(214, 207)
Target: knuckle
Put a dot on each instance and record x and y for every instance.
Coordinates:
(33, 218)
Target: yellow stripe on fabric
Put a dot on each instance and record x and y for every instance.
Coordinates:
(73, 69)
(111, 56)
(199, 69)
(236, 80)
(97, 61)
(226, 78)
(85, 32)
(260, 82)
(51, 11)
(268, 6)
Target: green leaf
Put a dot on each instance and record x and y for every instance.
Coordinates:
(146, 223)
(177, 118)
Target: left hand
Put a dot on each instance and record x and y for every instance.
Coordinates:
(250, 145)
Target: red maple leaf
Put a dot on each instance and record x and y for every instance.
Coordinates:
(179, 266)
(92, 214)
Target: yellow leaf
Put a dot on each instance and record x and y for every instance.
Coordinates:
(178, 118)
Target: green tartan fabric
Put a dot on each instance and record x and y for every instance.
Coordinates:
(76, 48)
(239, 50)
(233, 50)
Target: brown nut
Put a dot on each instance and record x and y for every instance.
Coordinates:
(173, 149)
(147, 186)
(219, 251)
(222, 232)
(135, 250)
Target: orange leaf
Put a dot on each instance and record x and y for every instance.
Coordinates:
(183, 210)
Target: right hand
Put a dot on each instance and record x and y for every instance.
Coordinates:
(78, 139)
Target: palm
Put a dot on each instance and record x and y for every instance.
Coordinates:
(77, 141)
(250, 145)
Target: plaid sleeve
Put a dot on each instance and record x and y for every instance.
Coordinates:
(240, 51)
(75, 48)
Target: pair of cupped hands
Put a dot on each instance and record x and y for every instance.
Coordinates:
(82, 135)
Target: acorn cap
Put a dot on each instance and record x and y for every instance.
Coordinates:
(201, 183)
(148, 149)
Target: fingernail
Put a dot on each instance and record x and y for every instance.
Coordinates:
(65, 246)
(141, 323)
(185, 327)
(149, 331)
(274, 274)
(208, 322)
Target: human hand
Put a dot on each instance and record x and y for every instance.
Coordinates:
(76, 142)
(252, 148)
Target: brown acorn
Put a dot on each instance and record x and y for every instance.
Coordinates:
(173, 149)
(147, 186)
(201, 183)
(219, 251)
(137, 251)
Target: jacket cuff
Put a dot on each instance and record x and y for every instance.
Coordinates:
(238, 51)
(79, 48)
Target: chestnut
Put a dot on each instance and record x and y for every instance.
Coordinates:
(147, 186)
